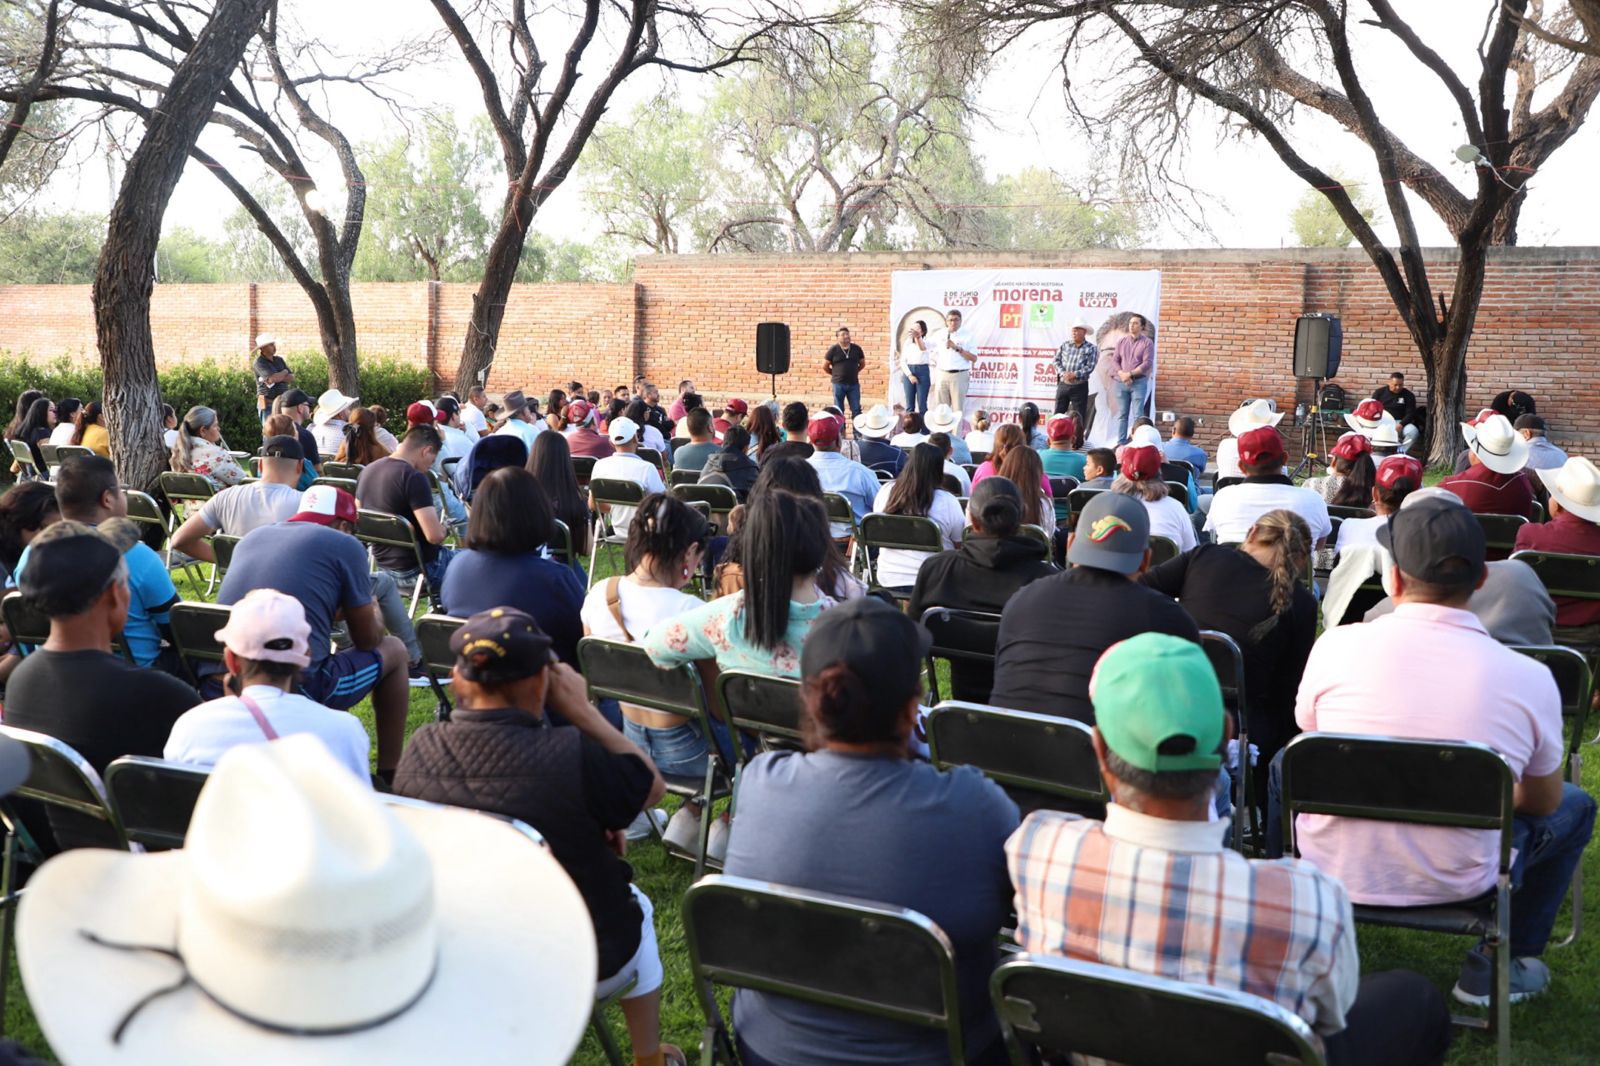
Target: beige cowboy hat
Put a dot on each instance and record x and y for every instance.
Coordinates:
(1253, 414)
(1575, 485)
(331, 404)
(1497, 446)
(305, 921)
(942, 419)
(875, 421)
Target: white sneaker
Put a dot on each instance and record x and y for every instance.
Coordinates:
(683, 832)
(641, 828)
(717, 846)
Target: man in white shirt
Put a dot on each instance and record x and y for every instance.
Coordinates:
(452, 427)
(1235, 508)
(328, 421)
(1252, 414)
(625, 465)
(837, 473)
(241, 508)
(520, 419)
(265, 646)
(951, 365)
(473, 421)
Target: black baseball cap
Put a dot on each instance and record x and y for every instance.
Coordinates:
(881, 645)
(448, 406)
(500, 645)
(295, 397)
(1430, 539)
(68, 566)
(283, 447)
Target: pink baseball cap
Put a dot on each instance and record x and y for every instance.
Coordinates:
(267, 625)
(325, 505)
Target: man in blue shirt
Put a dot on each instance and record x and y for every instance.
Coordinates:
(87, 491)
(1182, 448)
(838, 474)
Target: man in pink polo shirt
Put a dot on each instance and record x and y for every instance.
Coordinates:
(1476, 690)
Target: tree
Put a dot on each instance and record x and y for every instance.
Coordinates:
(17, 46)
(650, 176)
(1259, 62)
(40, 249)
(1316, 222)
(424, 204)
(541, 120)
(252, 256)
(185, 256)
(125, 276)
(1040, 211)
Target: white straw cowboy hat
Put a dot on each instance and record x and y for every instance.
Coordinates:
(264, 339)
(331, 404)
(1386, 434)
(1497, 446)
(942, 419)
(1575, 485)
(1253, 415)
(305, 921)
(875, 421)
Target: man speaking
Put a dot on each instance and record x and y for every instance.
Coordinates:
(843, 365)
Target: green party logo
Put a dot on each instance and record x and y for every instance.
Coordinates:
(1041, 314)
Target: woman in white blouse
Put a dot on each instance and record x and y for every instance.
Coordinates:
(916, 492)
(915, 376)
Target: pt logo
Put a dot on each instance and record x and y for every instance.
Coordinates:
(1041, 314)
(1010, 316)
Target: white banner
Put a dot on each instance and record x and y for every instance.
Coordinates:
(1014, 320)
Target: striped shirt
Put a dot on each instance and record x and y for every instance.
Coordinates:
(1165, 897)
(1076, 359)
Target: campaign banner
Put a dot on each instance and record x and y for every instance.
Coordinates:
(1014, 320)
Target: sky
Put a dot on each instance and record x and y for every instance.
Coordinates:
(1250, 194)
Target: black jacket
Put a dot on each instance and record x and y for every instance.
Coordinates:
(881, 455)
(740, 470)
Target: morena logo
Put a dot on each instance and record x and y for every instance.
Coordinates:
(961, 298)
(1104, 300)
(1010, 316)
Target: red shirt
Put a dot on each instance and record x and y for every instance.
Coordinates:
(1567, 534)
(585, 441)
(1486, 492)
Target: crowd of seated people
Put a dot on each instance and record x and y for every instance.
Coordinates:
(785, 587)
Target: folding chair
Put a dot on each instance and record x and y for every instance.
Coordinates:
(222, 546)
(611, 492)
(71, 451)
(621, 671)
(1179, 490)
(27, 465)
(1162, 549)
(966, 636)
(1228, 661)
(376, 529)
(951, 484)
(583, 469)
(850, 954)
(1500, 533)
(349, 471)
(656, 459)
(144, 511)
(678, 442)
(433, 635)
(1069, 1007)
(30, 627)
(154, 799)
(65, 789)
(1367, 596)
(51, 457)
(255, 466)
(181, 490)
(720, 498)
(1039, 753)
(1565, 577)
(901, 532)
(1340, 511)
(840, 513)
(1062, 487)
(194, 633)
(560, 543)
(682, 477)
(763, 706)
(1077, 499)
(1575, 679)
(1418, 782)
(348, 484)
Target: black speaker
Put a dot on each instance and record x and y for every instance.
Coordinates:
(772, 347)
(1318, 339)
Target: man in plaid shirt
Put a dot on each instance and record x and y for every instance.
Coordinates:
(1075, 361)
(1152, 888)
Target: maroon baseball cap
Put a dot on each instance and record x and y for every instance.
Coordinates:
(1061, 427)
(1143, 464)
(421, 413)
(1352, 446)
(325, 505)
(1396, 467)
(737, 406)
(1261, 445)
(823, 429)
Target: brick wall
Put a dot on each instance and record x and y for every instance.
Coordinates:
(1227, 322)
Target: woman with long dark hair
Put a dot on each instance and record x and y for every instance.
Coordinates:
(917, 492)
(24, 403)
(1351, 476)
(913, 365)
(67, 412)
(36, 427)
(764, 431)
(798, 476)
(91, 431)
(550, 463)
(734, 463)
(763, 627)
(1024, 468)
(1028, 419)
(360, 444)
(1006, 437)
(200, 449)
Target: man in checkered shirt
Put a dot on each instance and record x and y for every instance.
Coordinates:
(1075, 361)
(1152, 889)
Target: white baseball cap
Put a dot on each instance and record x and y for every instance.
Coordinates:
(622, 430)
(264, 339)
(267, 625)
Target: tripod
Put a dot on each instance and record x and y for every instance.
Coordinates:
(1313, 435)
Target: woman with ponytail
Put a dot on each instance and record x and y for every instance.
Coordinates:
(1256, 593)
(200, 449)
(981, 573)
(856, 814)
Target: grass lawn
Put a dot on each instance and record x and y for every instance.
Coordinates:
(1562, 1026)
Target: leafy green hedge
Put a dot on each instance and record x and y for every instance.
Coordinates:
(230, 387)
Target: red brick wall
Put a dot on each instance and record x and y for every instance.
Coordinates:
(1227, 323)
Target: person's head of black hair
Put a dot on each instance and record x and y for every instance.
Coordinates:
(24, 401)
(790, 474)
(635, 411)
(1534, 424)
(912, 424)
(995, 507)
(82, 483)
(693, 401)
(785, 536)
(699, 423)
(736, 439)
(555, 401)
(1184, 427)
(423, 436)
(942, 442)
(67, 410)
(550, 462)
(1028, 417)
(662, 531)
(795, 417)
(917, 482)
(510, 513)
(1104, 458)
(36, 419)
(614, 409)
(25, 509)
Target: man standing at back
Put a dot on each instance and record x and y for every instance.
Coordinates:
(1054, 630)
(843, 363)
(625, 465)
(272, 374)
(1469, 687)
(1132, 363)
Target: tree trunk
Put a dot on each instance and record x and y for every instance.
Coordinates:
(489, 302)
(126, 271)
(344, 372)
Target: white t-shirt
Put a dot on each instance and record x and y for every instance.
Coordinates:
(474, 420)
(201, 734)
(1235, 509)
(62, 434)
(169, 437)
(1169, 519)
(516, 427)
(980, 440)
(456, 442)
(1228, 458)
(912, 353)
(897, 567)
(963, 478)
(642, 607)
(238, 510)
(626, 466)
(1360, 532)
(329, 436)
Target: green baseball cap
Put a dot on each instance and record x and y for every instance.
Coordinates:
(1157, 704)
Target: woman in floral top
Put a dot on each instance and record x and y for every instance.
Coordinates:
(1348, 484)
(200, 449)
(762, 628)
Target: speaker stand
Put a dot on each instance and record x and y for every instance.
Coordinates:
(774, 388)
(1313, 435)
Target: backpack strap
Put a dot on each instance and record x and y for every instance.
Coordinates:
(614, 605)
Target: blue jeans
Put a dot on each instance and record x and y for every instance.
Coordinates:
(680, 750)
(847, 394)
(1131, 396)
(916, 391)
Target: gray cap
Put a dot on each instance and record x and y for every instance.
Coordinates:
(1113, 534)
